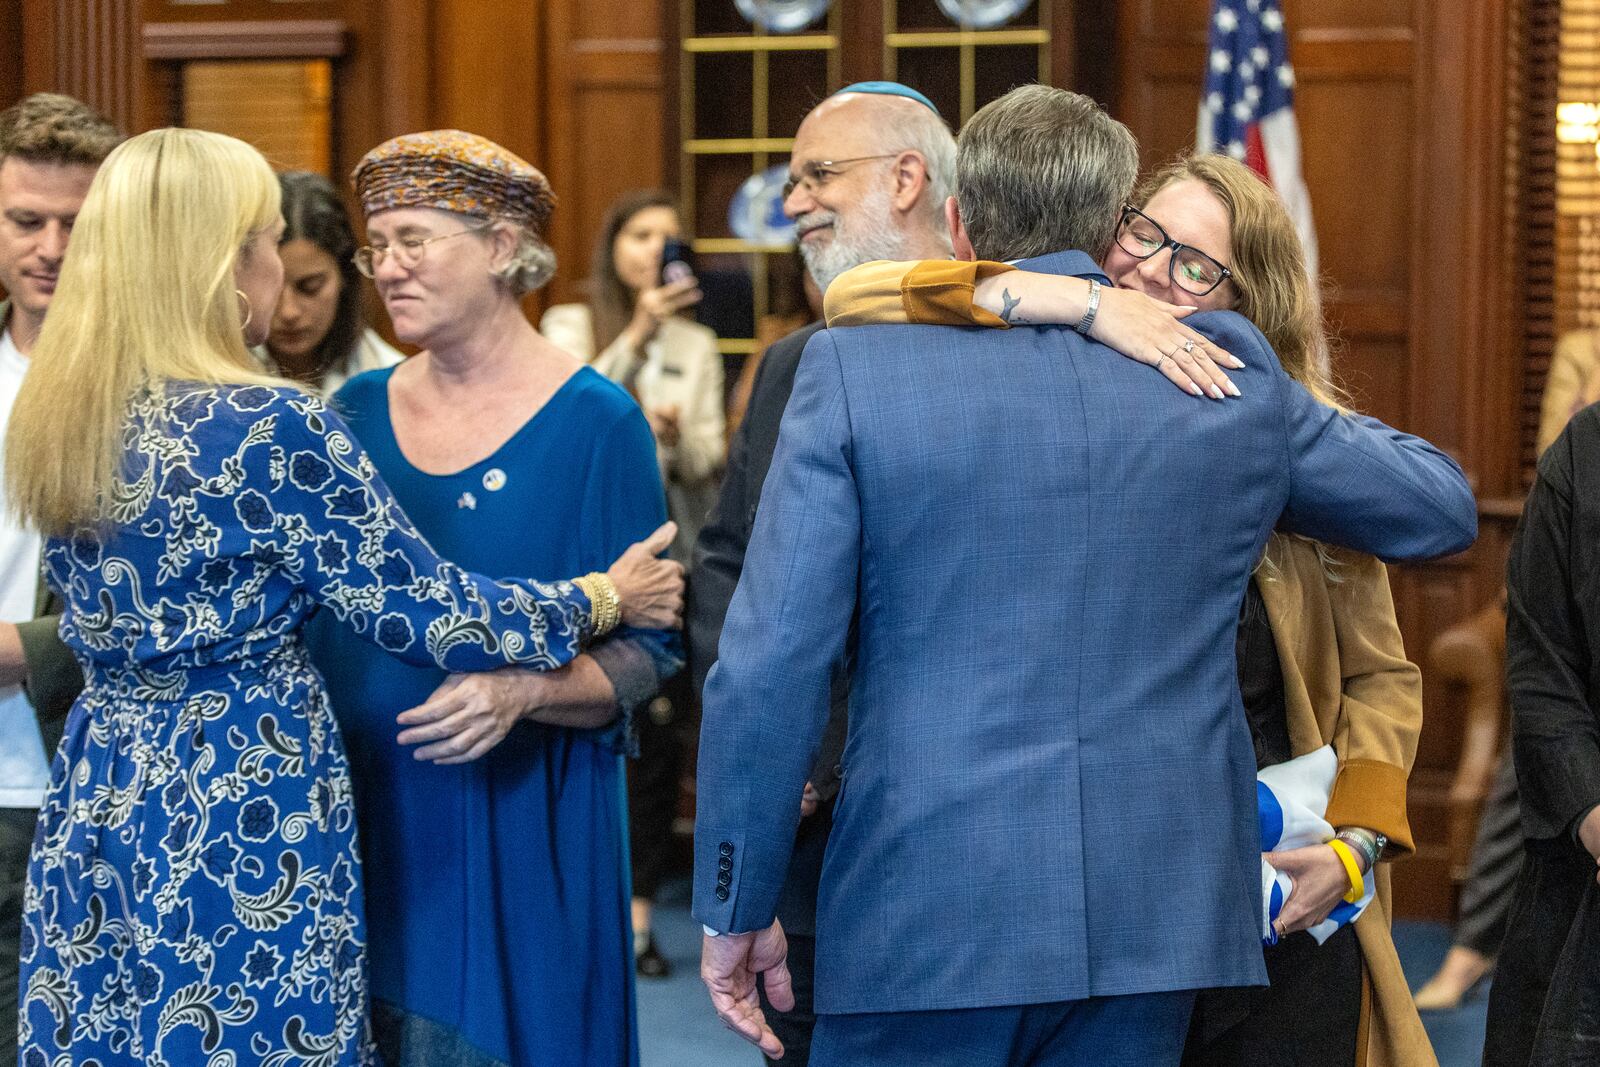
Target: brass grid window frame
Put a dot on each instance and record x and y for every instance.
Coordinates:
(968, 40)
(760, 147)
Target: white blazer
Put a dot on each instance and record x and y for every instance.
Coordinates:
(681, 368)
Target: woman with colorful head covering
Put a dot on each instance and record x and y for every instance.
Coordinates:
(492, 825)
(194, 894)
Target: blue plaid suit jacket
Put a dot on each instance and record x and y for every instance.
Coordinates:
(1049, 786)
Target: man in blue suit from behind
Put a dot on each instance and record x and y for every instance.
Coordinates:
(1045, 840)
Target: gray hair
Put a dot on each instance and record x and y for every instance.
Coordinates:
(1042, 170)
(531, 266)
(923, 131)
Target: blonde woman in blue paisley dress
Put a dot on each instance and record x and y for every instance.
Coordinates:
(194, 895)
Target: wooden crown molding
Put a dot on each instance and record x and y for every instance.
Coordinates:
(299, 39)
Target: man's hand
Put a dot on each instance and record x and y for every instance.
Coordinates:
(1320, 882)
(729, 965)
(469, 714)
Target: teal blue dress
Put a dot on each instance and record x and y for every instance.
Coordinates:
(498, 890)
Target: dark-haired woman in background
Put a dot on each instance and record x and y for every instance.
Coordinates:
(319, 335)
(633, 332)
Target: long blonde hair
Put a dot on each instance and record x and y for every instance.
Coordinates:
(146, 296)
(1269, 266)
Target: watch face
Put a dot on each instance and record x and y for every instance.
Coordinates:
(783, 16)
(983, 14)
(756, 214)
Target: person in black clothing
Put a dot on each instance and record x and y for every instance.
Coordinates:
(870, 172)
(1544, 1007)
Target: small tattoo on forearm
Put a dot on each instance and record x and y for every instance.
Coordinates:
(1010, 304)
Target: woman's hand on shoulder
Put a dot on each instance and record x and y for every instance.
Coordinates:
(1150, 331)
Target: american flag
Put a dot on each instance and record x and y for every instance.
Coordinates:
(1248, 107)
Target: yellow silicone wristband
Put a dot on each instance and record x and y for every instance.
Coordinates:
(1358, 886)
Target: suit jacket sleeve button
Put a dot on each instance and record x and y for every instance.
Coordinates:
(725, 864)
(724, 878)
(726, 848)
(722, 892)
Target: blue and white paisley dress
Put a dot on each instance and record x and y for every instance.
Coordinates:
(194, 895)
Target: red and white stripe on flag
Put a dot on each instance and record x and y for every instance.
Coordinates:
(1247, 109)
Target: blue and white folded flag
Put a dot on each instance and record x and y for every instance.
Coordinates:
(1291, 800)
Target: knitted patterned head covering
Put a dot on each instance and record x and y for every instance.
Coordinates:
(453, 171)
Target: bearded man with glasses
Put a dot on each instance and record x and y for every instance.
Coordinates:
(870, 171)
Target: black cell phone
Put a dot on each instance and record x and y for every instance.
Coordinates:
(677, 261)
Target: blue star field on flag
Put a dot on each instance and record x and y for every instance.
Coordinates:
(1247, 74)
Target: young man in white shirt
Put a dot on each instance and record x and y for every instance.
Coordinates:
(50, 148)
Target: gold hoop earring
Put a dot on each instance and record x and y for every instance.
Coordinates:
(248, 310)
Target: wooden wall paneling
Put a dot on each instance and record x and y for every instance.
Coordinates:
(390, 73)
(1455, 188)
(1373, 370)
(38, 45)
(11, 39)
(172, 31)
(487, 61)
(604, 113)
(88, 49)
(281, 106)
(268, 82)
(239, 10)
(1093, 55)
(860, 45)
(487, 74)
(244, 39)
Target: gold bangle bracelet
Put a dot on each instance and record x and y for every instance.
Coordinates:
(605, 607)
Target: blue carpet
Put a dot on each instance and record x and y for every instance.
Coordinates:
(1457, 1035)
(678, 1028)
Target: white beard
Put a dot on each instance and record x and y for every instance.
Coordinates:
(867, 233)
